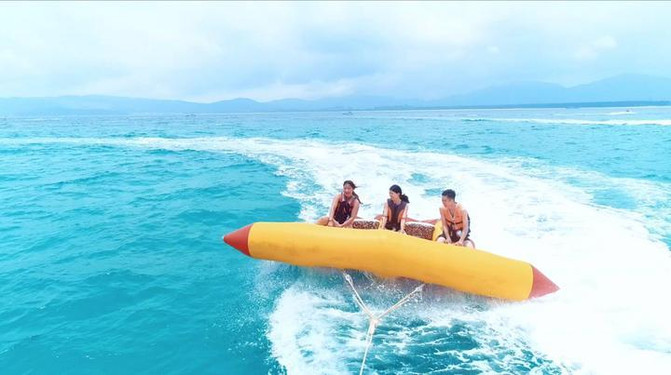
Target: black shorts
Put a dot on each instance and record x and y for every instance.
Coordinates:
(340, 219)
(454, 236)
(392, 226)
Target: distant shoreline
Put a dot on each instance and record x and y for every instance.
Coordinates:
(625, 104)
(20, 107)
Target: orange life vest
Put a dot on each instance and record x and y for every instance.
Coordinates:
(455, 222)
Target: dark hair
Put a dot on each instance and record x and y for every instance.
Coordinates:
(351, 183)
(450, 194)
(397, 189)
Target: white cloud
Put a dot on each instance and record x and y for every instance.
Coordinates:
(595, 48)
(214, 51)
(605, 43)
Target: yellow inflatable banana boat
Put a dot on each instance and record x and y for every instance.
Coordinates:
(391, 254)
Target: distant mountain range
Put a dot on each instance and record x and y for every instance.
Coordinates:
(625, 90)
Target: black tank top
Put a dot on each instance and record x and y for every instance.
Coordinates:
(394, 223)
(343, 211)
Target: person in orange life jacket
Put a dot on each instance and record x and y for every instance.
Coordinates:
(344, 208)
(456, 222)
(395, 211)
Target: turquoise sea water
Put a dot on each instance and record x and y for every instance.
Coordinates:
(111, 258)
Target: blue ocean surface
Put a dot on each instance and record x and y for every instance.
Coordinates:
(111, 259)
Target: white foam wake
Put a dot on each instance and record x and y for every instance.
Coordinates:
(621, 113)
(569, 121)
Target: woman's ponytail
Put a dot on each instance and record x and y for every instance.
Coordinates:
(397, 189)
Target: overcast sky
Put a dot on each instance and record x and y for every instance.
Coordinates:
(215, 51)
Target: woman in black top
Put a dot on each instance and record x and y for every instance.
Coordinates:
(395, 211)
(344, 207)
